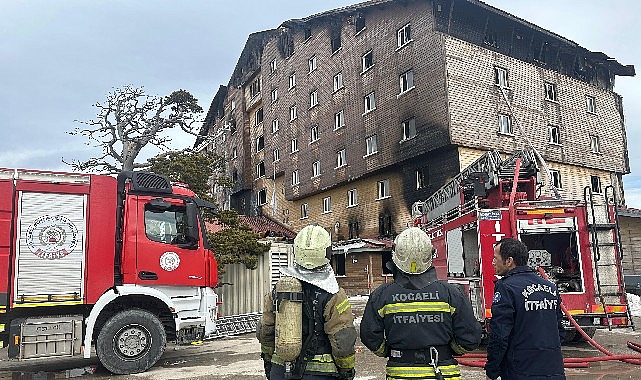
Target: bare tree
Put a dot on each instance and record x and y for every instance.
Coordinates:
(130, 120)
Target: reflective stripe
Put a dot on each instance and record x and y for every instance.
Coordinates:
(347, 362)
(457, 348)
(412, 307)
(320, 363)
(1, 327)
(47, 304)
(343, 306)
(380, 351)
(448, 371)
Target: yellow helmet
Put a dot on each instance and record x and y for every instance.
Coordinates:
(412, 251)
(310, 247)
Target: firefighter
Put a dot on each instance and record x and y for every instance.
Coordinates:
(526, 328)
(327, 334)
(418, 322)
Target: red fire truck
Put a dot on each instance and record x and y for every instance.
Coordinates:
(122, 263)
(576, 242)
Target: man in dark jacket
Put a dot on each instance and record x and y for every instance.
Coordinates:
(418, 322)
(526, 328)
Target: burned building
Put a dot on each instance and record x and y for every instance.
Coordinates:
(347, 117)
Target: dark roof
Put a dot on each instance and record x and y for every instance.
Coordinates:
(629, 212)
(262, 224)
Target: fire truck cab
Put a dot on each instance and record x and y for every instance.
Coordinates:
(121, 263)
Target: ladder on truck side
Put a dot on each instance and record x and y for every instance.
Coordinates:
(607, 252)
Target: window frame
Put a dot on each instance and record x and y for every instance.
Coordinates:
(338, 81)
(292, 80)
(260, 169)
(590, 104)
(274, 94)
(598, 189)
(295, 177)
(275, 125)
(371, 145)
(406, 82)
(313, 99)
(316, 169)
(304, 211)
(595, 144)
(504, 116)
(294, 145)
(259, 116)
(314, 134)
(341, 159)
(501, 81)
(369, 103)
(382, 189)
(276, 155)
(339, 119)
(338, 265)
(551, 135)
(407, 127)
(260, 143)
(293, 113)
(312, 64)
(272, 66)
(551, 93)
(367, 58)
(327, 205)
(403, 36)
(556, 178)
(352, 198)
(261, 197)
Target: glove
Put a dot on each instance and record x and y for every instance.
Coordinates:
(346, 374)
(268, 367)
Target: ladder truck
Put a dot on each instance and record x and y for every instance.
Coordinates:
(576, 242)
(121, 264)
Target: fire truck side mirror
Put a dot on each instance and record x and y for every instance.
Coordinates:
(192, 223)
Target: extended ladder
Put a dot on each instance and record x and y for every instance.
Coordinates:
(605, 241)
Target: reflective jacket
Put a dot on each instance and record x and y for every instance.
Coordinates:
(526, 328)
(414, 317)
(328, 319)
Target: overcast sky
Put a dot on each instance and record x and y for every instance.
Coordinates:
(58, 58)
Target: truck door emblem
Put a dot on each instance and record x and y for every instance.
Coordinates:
(169, 261)
(52, 237)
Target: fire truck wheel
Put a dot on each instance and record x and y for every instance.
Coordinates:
(131, 341)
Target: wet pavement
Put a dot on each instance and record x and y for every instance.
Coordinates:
(238, 358)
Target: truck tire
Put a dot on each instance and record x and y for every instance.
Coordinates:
(131, 341)
(588, 330)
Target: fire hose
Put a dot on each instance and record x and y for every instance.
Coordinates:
(569, 362)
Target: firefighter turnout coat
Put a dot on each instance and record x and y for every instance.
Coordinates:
(328, 334)
(526, 328)
(417, 320)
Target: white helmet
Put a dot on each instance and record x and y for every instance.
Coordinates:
(310, 247)
(412, 252)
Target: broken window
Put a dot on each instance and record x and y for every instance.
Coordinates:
(359, 23)
(556, 179)
(595, 182)
(385, 225)
(368, 60)
(550, 91)
(336, 43)
(260, 143)
(338, 264)
(353, 229)
(555, 135)
(307, 34)
(262, 197)
(595, 146)
(420, 179)
(500, 77)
